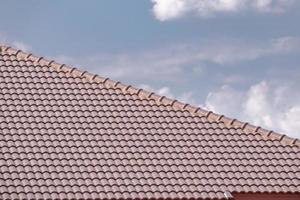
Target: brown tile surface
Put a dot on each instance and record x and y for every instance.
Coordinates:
(69, 134)
(266, 196)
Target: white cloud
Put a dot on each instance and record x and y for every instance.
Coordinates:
(275, 6)
(272, 105)
(22, 46)
(224, 100)
(4, 39)
(163, 91)
(139, 66)
(236, 51)
(171, 62)
(172, 9)
(186, 97)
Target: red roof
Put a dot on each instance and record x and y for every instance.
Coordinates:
(65, 133)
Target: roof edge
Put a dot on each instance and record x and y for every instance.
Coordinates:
(158, 98)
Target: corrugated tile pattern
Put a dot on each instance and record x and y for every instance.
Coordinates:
(63, 135)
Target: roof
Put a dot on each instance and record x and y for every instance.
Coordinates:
(66, 133)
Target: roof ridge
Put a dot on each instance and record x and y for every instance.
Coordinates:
(158, 98)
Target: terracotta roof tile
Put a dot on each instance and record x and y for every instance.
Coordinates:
(65, 133)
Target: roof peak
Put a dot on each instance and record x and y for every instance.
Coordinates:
(249, 128)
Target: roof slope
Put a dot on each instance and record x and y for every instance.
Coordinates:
(65, 133)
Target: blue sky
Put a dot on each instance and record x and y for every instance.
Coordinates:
(240, 58)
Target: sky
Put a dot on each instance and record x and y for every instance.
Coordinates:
(240, 58)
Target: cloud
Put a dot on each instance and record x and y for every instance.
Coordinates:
(4, 39)
(163, 91)
(265, 104)
(131, 65)
(171, 62)
(173, 9)
(185, 97)
(21, 45)
(224, 100)
(235, 52)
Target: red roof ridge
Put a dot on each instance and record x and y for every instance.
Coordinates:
(229, 122)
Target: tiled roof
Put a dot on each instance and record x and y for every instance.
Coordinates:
(65, 133)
